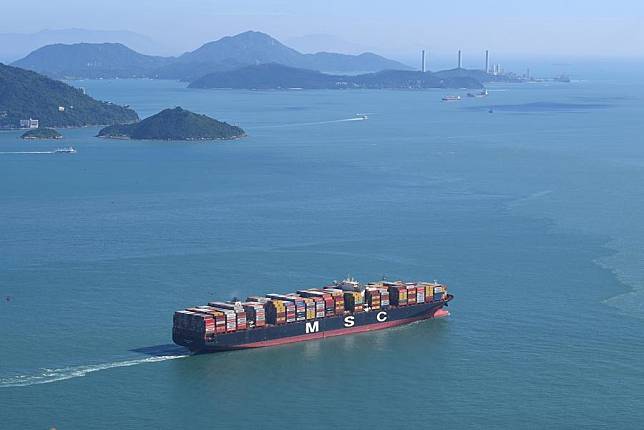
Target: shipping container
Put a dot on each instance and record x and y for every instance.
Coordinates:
(411, 294)
(372, 298)
(398, 295)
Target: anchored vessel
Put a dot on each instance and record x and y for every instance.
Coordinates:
(341, 308)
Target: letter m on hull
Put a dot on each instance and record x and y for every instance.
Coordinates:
(312, 327)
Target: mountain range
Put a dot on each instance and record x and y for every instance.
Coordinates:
(113, 60)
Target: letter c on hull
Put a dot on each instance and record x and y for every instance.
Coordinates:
(382, 316)
(349, 321)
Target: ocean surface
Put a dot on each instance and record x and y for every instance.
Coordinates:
(532, 214)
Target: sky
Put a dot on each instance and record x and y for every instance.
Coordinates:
(545, 28)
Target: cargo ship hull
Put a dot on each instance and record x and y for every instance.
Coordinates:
(299, 331)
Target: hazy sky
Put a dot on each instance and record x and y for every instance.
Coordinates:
(555, 27)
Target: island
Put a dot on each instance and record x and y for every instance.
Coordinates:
(279, 76)
(42, 133)
(29, 97)
(174, 124)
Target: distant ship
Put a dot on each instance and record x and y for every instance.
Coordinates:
(67, 150)
(451, 98)
(361, 116)
(480, 94)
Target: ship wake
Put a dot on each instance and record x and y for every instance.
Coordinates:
(46, 376)
(300, 124)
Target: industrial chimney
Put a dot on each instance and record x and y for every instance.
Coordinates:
(487, 61)
(422, 67)
(460, 63)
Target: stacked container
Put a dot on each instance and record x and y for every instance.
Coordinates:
(290, 311)
(398, 295)
(275, 312)
(195, 322)
(439, 292)
(319, 307)
(429, 292)
(237, 308)
(329, 302)
(231, 320)
(420, 294)
(354, 301)
(310, 308)
(255, 314)
(372, 297)
(338, 299)
(292, 301)
(218, 316)
(384, 298)
(300, 307)
(411, 294)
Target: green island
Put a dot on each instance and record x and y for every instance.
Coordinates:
(42, 133)
(26, 95)
(174, 124)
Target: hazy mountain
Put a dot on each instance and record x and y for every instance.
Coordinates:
(91, 60)
(278, 76)
(16, 45)
(252, 48)
(312, 43)
(105, 60)
(25, 94)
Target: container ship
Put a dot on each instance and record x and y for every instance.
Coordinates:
(341, 308)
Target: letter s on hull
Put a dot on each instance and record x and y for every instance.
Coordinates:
(349, 321)
(313, 327)
(382, 316)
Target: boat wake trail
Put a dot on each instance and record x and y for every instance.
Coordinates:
(28, 152)
(46, 376)
(298, 124)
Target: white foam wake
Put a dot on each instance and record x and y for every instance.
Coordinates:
(297, 124)
(47, 376)
(27, 152)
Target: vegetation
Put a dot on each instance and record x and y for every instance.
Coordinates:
(174, 124)
(25, 94)
(91, 60)
(277, 76)
(42, 133)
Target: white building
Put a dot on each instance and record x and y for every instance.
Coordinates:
(29, 123)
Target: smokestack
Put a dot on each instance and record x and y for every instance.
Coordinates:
(460, 63)
(423, 62)
(487, 61)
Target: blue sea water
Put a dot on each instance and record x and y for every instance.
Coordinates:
(531, 214)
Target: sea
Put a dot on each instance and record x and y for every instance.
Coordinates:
(527, 203)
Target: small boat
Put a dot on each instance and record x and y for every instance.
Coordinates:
(478, 95)
(66, 150)
(451, 98)
(361, 116)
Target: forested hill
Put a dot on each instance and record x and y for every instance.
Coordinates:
(25, 94)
